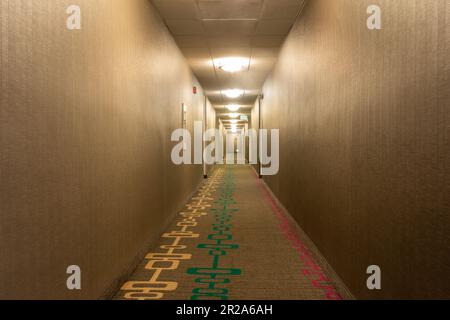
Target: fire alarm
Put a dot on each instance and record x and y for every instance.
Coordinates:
(194, 90)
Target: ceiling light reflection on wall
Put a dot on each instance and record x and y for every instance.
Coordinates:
(233, 108)
(233, 93)
(232, 64)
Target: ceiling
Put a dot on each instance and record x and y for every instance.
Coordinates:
(207, 30)
(224, 115)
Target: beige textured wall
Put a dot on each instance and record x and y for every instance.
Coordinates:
(86, 117)
(365, 140)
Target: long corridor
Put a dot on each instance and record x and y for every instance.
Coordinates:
(233, 241)
(224, 150)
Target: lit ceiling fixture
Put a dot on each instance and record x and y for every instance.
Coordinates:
(232, 64)
(234, 115)
(233, 108)
(234, 121)
(233, 93)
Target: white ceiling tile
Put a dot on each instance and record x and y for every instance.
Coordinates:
(281, 9)
(230, 9)
(230, 83)
(229, 41)
(274, 27)
(177, 9)
(230, 28)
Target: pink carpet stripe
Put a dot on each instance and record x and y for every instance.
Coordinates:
(311, 269)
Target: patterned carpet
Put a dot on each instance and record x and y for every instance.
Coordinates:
(233, 241)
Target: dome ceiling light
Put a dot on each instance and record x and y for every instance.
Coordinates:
(233, 93)
(233, 108)
(232, 64)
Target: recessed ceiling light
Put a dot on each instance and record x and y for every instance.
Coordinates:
(234, 121)
(232, 64)
(234, 115)
(233, 93)
(233, 108)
